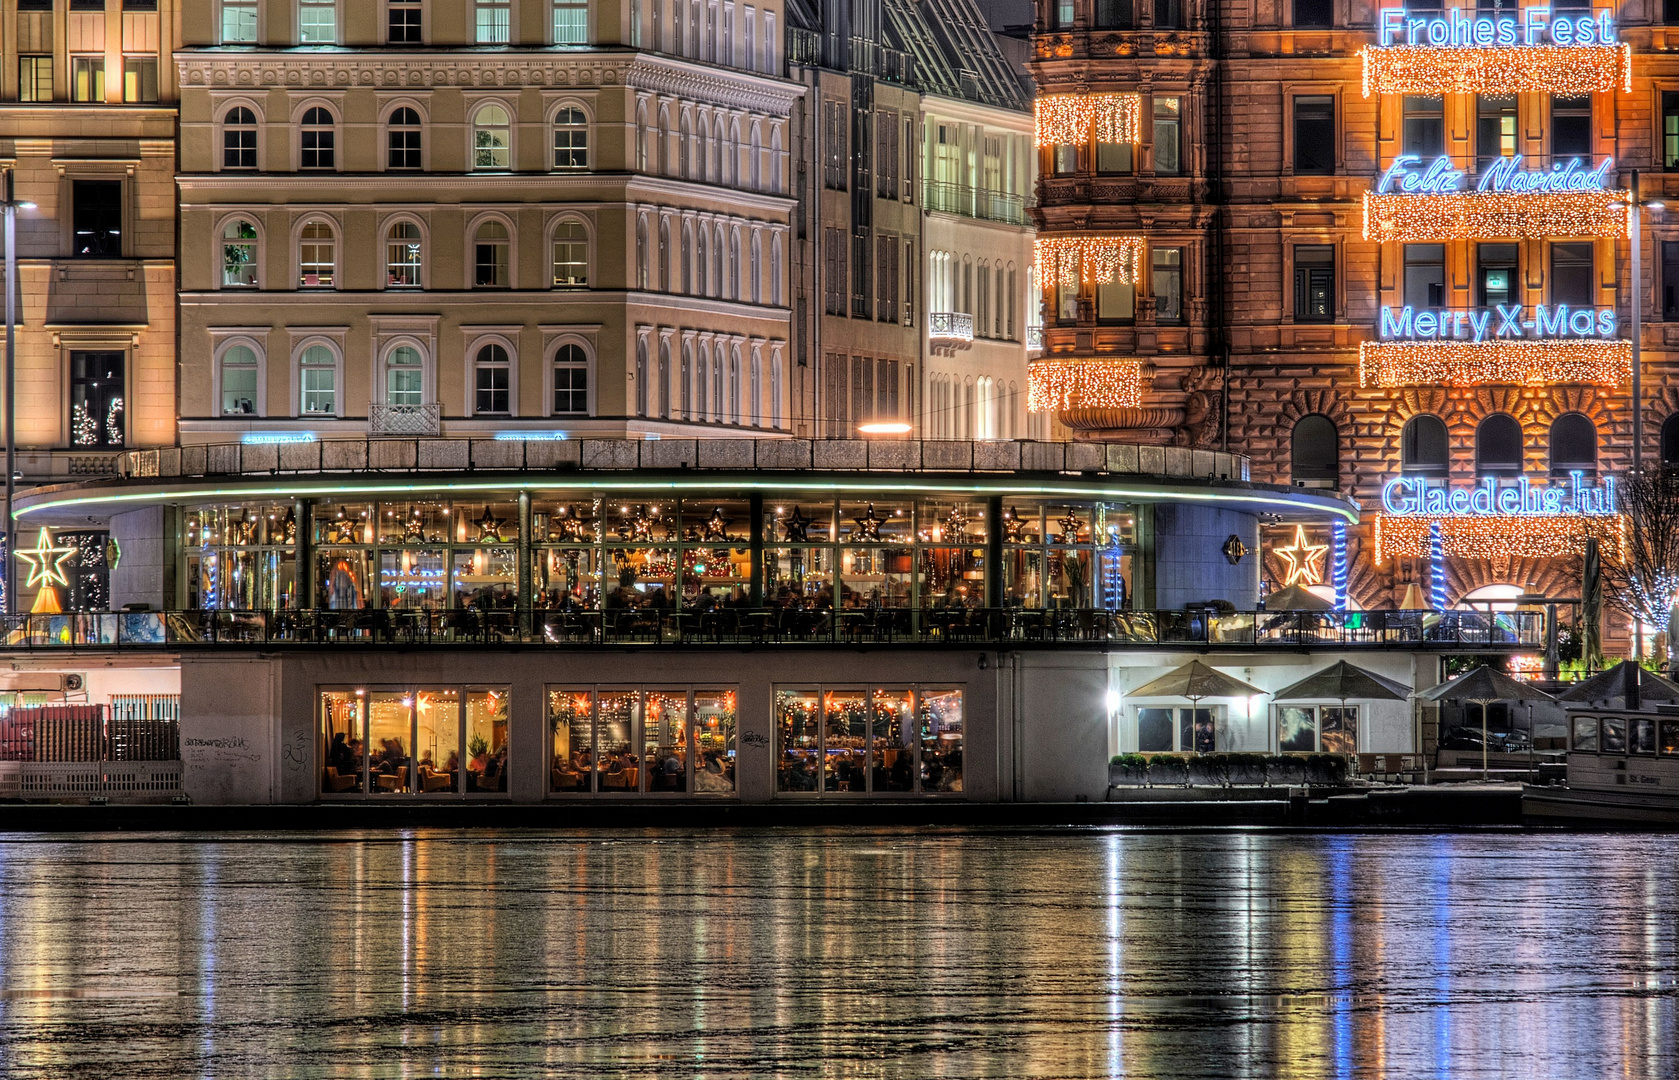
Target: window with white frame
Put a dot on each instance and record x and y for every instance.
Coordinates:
(318, 379)
(493, 22)
(402, 137)
(492, 376)
(317, 22)
(239, 380)
(571, 140)
(404, 24)
(239, 139)
(491, 136)
(239, 254)
(403, 248)
(317, 255)
(239, 22)
(571, 22)
(1177, 730)
(571, 255)
(317, 140)
(571, 381)
(405, 377)
(490, 256)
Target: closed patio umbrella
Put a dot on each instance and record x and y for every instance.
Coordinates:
(1297, 598)
(1483, 686)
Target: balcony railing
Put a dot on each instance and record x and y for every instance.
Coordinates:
(950, 326)
(787, 626)
(404, 420)
(974, 202)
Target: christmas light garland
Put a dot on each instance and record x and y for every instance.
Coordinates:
(1070, 118)
(1510, 69)
(1091, 259)
(1486, 537)
(1083, 384)
(1478, 215)
(1588, 362)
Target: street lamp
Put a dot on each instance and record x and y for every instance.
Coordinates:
(11, 206)
(1635, 218)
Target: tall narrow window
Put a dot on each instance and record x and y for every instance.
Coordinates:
(96, 399)
(571, 255)
(1670, 130)
(1425, 275)
(87, 78)
(1670, 280)
(1113, 14)
(1423, 445)
(1496, 274)
(492, 379)
(1314, 283)
(317, 22)
(317, 140)
(1498, 445)
(571, 22)
(405, 377)
(1571, 128)
(1495, 128)
(1314, 14)
(239, 381)
(239, 22)
(34, 78)
(571, 140)
(490, 256)
(318, 381)
(1168, 284)
(139, 80)
(402, 256)
(571, 382)
(239, 139)
(239, 254)
(402, 140)
(96, 209)
(493, 22)
(734, 385)
(775, 391)
(1571, 274)
(755, 389)
(490, 139)
(1314, 135)
(403, 25)
(1423, 126)
(664, 378)
(317, 255)
(1168, 133)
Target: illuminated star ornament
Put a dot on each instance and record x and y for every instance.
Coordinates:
(868, 526)
(1070, 526)
(1014, 529)
(717, 526)
(795, 530)
(489, 528)
(956, 524)
(1304, 559)
(46, 571)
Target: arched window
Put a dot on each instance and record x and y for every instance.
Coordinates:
(571, 381)
(775, 160)
(239, 139)
(491, 137)
(641, 274)
(755, 269)
(719, 279)
(684, 145)
(402, 256)
(571, 255)
(687, 390)
(239, 254)
(667, 271)
(1422, 445)
(1670, 440)
(402, 140)
(755, 389)
(643, 144)
(664, 378)
(405, 377)
(239, 381)
(317, 255)
(1498, 445)
(702, 384)
(757, 159)
(492, 381)
(731, 159)
(702, 264)
(734, 385)
(489, 256)
(1573, 444)
(571, 140)
(318, 381)
(718, 145)
(775, 391)
(641, 377)
(702, 158)
(318, 140)
(732, 282)
(1316, 452)
(717, 387)
(775, 270)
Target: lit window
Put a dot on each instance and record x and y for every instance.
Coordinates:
(571, 381)
(571, 255)
(318, 372)
(139, 80)
(493, 22)
(405, 377)
(239, 381)
(402, 256)
(571, 22)
(239, 254)
(239, 139)
(571, 140)
(317, 22)
(490, 137)
(239, 22)
(490, 256)
(491, 380)
(34, 78)
(317, 255)
(403, 140)
(87, 78)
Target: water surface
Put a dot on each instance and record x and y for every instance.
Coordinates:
(844, 953)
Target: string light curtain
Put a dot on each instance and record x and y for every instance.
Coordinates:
(1083, 384)
(1539, 69)
(1478, 215)
(1584, 362)
(1494, 536)
(1098, 260)
(1072, 118)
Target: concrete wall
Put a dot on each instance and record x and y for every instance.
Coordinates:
(1059, 718)
(1189, 561)
(233, 749)
(143, 574)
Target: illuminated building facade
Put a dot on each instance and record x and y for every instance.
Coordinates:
(1378, 245)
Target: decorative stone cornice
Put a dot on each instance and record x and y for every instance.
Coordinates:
(696, 82)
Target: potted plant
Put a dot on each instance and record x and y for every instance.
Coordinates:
(1326, 769)
(1208, 770)
(1284, 769)
(1128, 770)
(1245, 769)
(1167, 769)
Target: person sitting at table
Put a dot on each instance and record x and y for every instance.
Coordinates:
(339, 757)
(902, 779)
(658, 600)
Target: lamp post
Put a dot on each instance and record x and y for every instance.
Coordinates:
(11, 206)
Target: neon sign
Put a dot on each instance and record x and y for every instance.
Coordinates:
(1409, 496)
(1456, 29)
(1503, 176)
(1476, 324)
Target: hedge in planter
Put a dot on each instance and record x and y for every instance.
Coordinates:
(1165, 769)
(1128, 770)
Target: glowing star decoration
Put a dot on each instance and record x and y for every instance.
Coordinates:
(1014, 527)
(795, 528)
(1304, 560)
(489, 528)
(1074, 118)
(1093, 260)
(414, 532)
(46, 571)
(1588, 362)
(868, 526)
(1053, 384)
(716, 526)
(955, 525)
(1510, 69)
(1070, 528)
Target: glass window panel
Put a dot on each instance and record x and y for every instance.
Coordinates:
(1614, 735)
(345, 752)
(1585, 733)
(714, 742)
(664, 727)
(571, 721)
(567, 579)
(486, 738)
(892, 741)
(1023, 583)
(486, 578)
(799, 577)
(618, 767)
(791, 521)
(798, 732)
(413, 578)
(561, 522)
(941, 740)
(390, 722)
(437, 741)
(1340, 729)
(944, 521)
(845, 732)
(1022, 524)
(414, 523)
(875, 577)
(716, 577)
(868, 523)
(716, 520)
(1195, 730)
(1297, 728)
(485, 523)
(641, 578)
(640, 522)
(1667, 737)
(343, 523)
(1154, 731)
(1069, 578)
(1643, 736)
(342, 579)
(952, 577)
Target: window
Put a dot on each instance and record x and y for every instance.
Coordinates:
(87, 78)
(571, 255)
(1328, 729)
(239, 254)
(1314, 283)
(1670, 129)
(139, 80)
(1498, 445)
(317, 140)
(34, 78)
(571, 22)
(1495, 129)
(1064, 159)
(493, 22)
(1425, 275)
(239, 22)
(402, 256)
(491, 379)
(1062, 11)
(425, 740)
(1670, 440)
(684, 735)
(490, 138)
(1423, 127)
(405, 377)
(1423, 446)
(1314, 14)
(1571, 128)
(318, 378)
(96, 207)
(1113, 14)
(1670, 279)
(402, 140)
(96, 399)
(1168, 730)
(489, 259)
(1315, 454)
(1168, 129)
(239, 381)
(317, 22)
(1112, 159)
(571, 381)
(1573, 444)
(317, 255)
(571, 140)
(1314, 135)
(403, 25)
(1168, 14)
(836, 129)
(1496, 274)
(734, 386)
(1168, 284)
(1571, 275)
(876, 740)
(239, 139)
(833, 271)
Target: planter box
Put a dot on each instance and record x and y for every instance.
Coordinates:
(1207, 772)
(1287, 770)
(1164, 773)
(1127, 775)
(1246, 772)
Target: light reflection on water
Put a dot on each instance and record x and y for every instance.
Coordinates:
(841, 953)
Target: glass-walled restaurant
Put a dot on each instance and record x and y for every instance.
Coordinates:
(603, 553)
